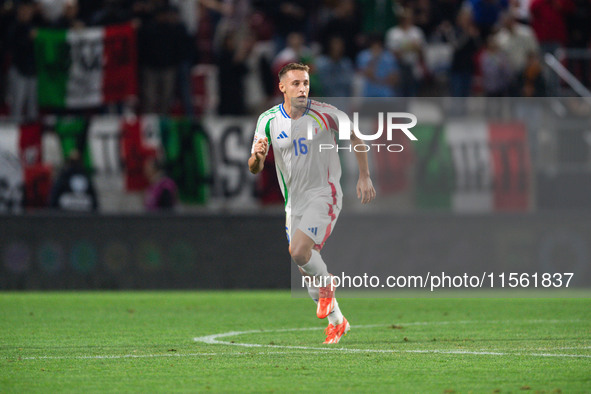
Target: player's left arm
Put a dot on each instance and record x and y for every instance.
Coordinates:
(365, 189)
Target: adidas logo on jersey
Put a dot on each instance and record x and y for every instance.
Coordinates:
(313, 230)
(282, 135)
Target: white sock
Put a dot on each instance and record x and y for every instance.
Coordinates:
(314, 293)
(335, 317)
(315, 266)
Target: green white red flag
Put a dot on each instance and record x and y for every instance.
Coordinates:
(82, 68)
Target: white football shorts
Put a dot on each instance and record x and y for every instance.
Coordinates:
(317, 222)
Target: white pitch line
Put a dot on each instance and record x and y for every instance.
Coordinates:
(213, 340)
(568, 348)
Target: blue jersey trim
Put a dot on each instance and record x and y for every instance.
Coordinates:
(285, 115)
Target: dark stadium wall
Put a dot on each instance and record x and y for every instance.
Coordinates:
(239, 251)
(143, 252)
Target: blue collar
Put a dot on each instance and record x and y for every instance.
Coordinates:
(284, 113)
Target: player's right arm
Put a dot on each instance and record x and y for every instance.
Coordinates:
(256, 162)
(260, 143)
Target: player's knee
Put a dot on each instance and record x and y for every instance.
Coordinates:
(300, 254)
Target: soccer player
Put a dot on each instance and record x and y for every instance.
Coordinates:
(309, 180)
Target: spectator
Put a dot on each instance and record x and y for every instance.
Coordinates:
(188, 13)
(160, 46)
(520, 9)
(112, 12)
(547, 20)
(377, 16)
(188, 57)
(548, 23)
(335, 71)
(6, 19)
(52, 10)
(295, 52)
(496, 73)
(290, 16)
(406, 41)
(73, 189)
(465, 41)
(260, 81)
(343, 23)
(531, 81)
(69, 18)
(579, 36)
(162, 194)
(516, 41)
(23, 78)
(446, 11)
(379, 70)
(232, 66)
(486, 14)
(234, 18)
(88, 9)
(422, 13)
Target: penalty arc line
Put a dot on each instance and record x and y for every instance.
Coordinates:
(213, 340)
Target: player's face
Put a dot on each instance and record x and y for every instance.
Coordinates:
(295, 86)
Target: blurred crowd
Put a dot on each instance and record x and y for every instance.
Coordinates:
(228, 52)
(378, 48)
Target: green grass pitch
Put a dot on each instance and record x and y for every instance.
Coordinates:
(145, 342)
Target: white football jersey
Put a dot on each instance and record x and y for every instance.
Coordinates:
(303, 171)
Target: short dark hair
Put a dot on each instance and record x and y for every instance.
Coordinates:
(293, 66)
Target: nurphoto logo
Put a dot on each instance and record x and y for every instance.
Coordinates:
(391, 127)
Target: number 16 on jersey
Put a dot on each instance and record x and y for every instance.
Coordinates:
(300, 147)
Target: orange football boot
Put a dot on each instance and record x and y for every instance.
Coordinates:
(326, 300)
(334, 333)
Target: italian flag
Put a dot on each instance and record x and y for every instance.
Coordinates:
(473, 166)
(82, 68)
(491, 162)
